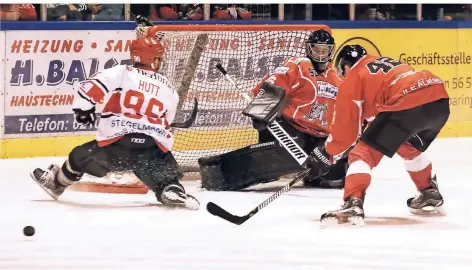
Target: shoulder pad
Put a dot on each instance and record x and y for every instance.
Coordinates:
(281, 70)
(298, 60)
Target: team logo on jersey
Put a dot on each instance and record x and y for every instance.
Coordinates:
(312, 72)
(327, 90)
(318, 113)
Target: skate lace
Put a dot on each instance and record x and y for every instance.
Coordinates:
(45, 178)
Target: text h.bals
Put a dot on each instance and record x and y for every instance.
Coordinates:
(26, 72)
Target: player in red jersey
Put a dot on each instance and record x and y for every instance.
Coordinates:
(406, 109)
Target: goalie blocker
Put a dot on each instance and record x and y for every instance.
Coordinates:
(268, 160)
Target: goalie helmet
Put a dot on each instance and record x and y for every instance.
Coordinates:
(319, 48)
(145, 50)
(349, 55)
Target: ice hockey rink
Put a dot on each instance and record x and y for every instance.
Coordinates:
(103, 231)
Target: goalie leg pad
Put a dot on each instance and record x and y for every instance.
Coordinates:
(245, 167)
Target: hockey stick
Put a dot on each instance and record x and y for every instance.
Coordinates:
(216, 210)
(189, 122)
(287, 142)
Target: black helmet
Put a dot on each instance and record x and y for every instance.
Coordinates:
(349, 55)
(320, 46)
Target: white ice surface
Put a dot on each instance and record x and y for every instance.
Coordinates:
(98, 231)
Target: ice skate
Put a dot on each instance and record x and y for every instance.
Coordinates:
(174, 196)
(429, 201)
(351, 212)
(46, 179)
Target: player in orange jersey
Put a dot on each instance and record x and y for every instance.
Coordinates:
(310, 88)
(406, 109)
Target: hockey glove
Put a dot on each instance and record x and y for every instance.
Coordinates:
(85, 117)
(267, 105)
(319, 161)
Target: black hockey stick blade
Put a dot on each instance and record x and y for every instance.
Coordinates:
(189, 122)
(216, 210)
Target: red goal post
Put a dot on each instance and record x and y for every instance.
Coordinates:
(248, 53)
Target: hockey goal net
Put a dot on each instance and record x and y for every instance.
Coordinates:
(248, 53)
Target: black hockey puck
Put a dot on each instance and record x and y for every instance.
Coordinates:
(28, 230)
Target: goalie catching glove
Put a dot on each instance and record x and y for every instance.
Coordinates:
(266, 106)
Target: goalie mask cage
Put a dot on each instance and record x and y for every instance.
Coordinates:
(248, 53)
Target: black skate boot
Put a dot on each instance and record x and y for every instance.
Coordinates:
(428, 201)
(351, 212)
(47, 180)
(174, 195)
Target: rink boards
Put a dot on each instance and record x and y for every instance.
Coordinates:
(41, 67)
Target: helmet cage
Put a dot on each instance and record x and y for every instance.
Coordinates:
(319, 52)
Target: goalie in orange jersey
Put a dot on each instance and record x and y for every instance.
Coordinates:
(309, 88)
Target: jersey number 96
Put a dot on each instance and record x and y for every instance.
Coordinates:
(132, 107)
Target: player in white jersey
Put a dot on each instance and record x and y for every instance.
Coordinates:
(134, 131)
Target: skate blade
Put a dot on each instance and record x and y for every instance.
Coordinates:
(357, 221)
(328, 222)
(429, 211)
(333, 221)
(49, 192)
(179, 202)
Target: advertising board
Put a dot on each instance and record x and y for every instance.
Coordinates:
(41, 69)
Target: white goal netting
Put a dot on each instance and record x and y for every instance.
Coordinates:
(190, 64)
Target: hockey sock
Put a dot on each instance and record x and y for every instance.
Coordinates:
(356, 185)
(357, 179)
(67, 176)
(420, 169)
(422, 178)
